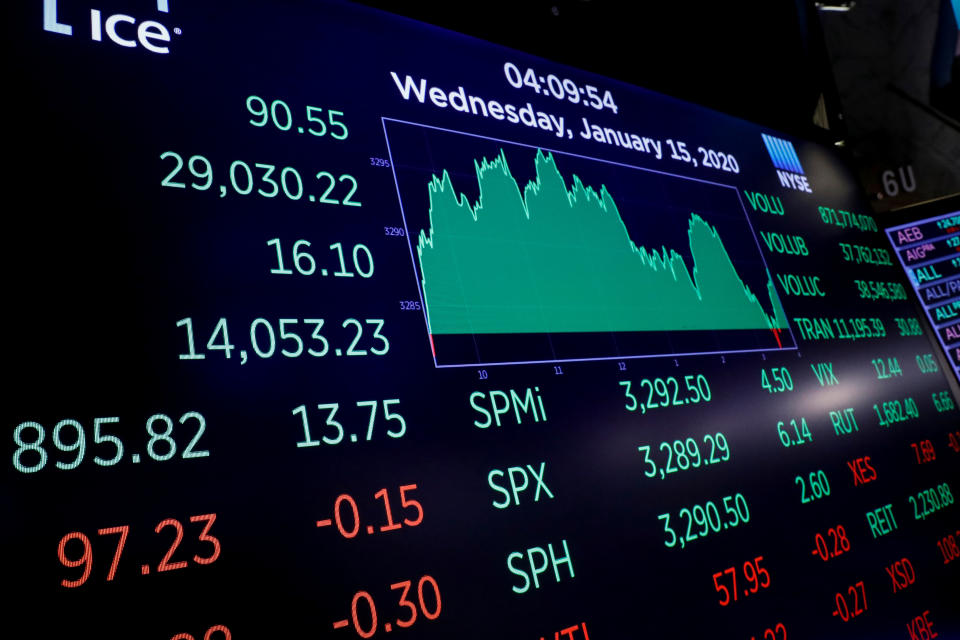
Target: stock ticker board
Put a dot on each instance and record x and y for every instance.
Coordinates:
(326, 323)
(928, 250)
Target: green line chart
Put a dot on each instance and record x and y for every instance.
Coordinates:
(544, 267)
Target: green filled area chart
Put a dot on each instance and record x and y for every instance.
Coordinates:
(527, 254)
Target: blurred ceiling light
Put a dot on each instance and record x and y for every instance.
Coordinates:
(835, 6)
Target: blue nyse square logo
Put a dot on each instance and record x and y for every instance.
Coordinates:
(787, 163)
(782, 153)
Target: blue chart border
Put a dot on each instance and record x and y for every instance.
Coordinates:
(413, 259)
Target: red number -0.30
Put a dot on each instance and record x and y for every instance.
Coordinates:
(363, 610)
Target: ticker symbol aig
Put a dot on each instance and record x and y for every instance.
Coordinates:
(122, 29)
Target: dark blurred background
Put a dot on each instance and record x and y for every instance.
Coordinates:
(876, 78)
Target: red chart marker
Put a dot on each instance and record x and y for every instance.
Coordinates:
(340, 624)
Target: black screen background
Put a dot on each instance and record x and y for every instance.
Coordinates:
(102, 262)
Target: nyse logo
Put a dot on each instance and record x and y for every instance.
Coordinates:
(121, 29)
(784, 158)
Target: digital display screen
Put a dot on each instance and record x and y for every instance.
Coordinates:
(327, 323)
(929, 251)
